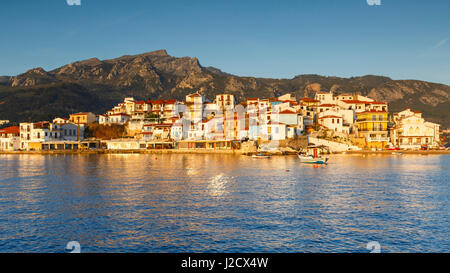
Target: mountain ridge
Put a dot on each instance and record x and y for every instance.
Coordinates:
(157, 74)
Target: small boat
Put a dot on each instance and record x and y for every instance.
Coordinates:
(261, 156)
(313, 158)
(309, 159)
(397, 153)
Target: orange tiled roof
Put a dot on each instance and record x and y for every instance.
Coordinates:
(327, 105)
(309, 100)
(330, 116)
(10, 130)
(288, 112)
(372, 111)
(355, 101)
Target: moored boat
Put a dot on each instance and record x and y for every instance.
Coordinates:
(261, 156)
(311, 156)
(313, 160)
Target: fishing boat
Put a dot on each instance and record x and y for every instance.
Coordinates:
(261, 155)
(311, 156)
(309, 159)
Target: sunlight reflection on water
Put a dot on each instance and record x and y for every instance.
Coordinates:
(210, 203)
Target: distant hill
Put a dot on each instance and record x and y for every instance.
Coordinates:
(96, 85)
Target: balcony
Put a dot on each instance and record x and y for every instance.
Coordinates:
(371, 120)
(378, 139)
(372, 130)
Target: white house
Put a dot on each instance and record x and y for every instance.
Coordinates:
(45, 131)
(194, 107)
(61, 120)
(411, 131)
(324, 97)
(334, 123)
(118, 118)
(10, 138)
(103, 119)
(273, 131)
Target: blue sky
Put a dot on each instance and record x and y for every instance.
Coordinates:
(402, 39)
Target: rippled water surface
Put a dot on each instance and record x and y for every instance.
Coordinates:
(223, 203)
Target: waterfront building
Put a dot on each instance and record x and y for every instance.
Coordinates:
(33, 134)
(411, 131)
(273, 130)
(10, 138)
(373, 127)
(179, 131)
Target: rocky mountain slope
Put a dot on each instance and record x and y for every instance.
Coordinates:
(96, 85)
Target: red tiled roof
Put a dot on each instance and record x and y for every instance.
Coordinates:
(309, 100)
(10, 130)
(119, 114)
(354, 101)
(79, 114)
(288, 112)
(372, 111)
(275, 123)
(327, 105)
(41, 123)
(330, 116)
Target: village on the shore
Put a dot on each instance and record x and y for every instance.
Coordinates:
(341, 122)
